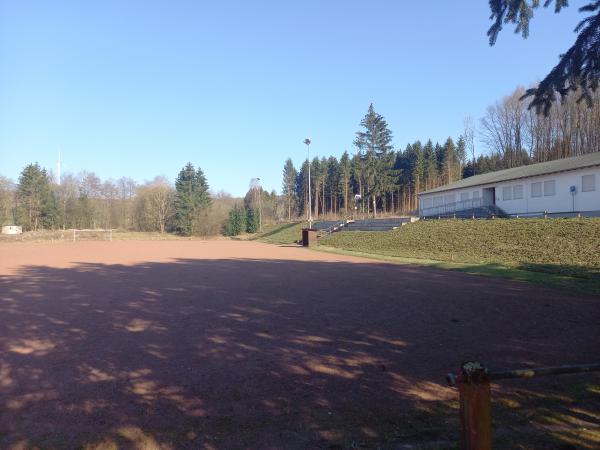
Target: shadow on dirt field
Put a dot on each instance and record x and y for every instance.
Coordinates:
(242, 353)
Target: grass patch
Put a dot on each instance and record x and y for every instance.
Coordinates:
(561, 252)
(287, 233)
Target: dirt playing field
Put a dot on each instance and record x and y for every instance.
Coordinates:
(225, 344)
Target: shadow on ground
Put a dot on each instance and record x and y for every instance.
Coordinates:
(233, 353)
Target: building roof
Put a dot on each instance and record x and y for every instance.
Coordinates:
(532, 170)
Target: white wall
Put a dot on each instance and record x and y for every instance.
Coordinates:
(561, 201)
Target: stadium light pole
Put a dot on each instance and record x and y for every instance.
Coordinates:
(308, 142)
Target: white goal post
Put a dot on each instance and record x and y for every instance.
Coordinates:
(95, 234)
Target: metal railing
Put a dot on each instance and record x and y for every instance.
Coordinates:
(449, 208)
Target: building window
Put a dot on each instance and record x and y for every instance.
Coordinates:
(588, 183)
(450, 198)
(506, 193)
(549, 188)
(464, 196)
(518, 192)
(475, 194)
(536, 189)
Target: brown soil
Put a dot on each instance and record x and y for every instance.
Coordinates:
(224, 344)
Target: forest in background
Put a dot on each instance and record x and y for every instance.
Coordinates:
(84, 201)
(379, 179)
(387, 180)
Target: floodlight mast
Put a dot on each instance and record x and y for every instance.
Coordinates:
(308, 142)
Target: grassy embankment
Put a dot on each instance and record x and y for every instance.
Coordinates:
(560, 252)
(288, 233)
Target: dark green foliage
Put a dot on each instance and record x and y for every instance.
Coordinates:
(344, 179)
(289, 183)
(376, 137)
(578, 68)
(191, 199)
(374, 145)
(252, 220)
(36, 204)
(468, 170)
(236, 222)
(7, 203)
(301, 189)
(461, 152)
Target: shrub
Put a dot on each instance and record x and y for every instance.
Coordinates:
(236, 222)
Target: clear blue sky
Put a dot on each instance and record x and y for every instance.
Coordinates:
(139, 88)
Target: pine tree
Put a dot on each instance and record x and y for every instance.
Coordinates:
(440, 160)
(345, 174)
(323, 182)
(333, 183)
(373, 144)
(236, 222)
(461, 154)
(315, 178)
(289, 182)
(36, 204)
(449, 162)
(252, 220)
(302, 189)
(358, 176)
(430, 165)
(191, 199)
(577, 71)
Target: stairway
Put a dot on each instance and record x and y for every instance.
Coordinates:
(331, 226)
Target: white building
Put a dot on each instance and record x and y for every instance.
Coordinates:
(562, 187)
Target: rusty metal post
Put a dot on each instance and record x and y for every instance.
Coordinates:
(475, 407)
(475, 398)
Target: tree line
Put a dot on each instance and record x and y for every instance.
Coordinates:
(376, 178)
(379, 179)
(84, 201)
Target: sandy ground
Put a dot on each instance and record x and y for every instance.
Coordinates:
(224, 344)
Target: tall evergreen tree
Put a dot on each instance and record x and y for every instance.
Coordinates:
(36, 204)
(191, 199)
(449, 162)
(333, 183)
(358, 179)
(236, 222)
(440, 161)
(302, 189)
(373, 143)
(345, 174)
(461, 152)
(289, 182)
(315, 184)
(430, 165)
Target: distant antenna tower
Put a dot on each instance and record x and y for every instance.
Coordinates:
(58, 164)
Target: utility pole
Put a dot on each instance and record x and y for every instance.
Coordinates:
(308, 142)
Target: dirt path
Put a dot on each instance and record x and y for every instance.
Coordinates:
(244, 345)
